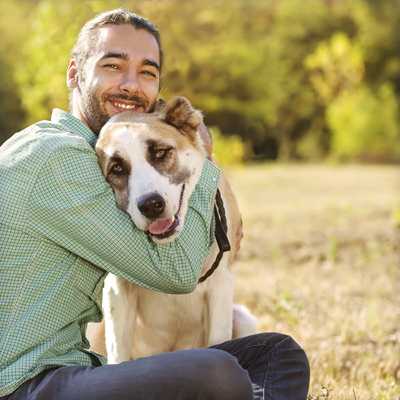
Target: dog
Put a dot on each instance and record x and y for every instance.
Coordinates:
(162, 155)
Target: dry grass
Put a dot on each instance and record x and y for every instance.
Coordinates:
(320, 261)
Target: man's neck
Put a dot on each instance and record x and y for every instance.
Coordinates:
(74, 107)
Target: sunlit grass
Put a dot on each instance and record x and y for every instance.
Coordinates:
(320, 261)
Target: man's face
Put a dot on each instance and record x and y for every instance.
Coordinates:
(123, 73)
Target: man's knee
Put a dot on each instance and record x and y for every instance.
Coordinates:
(224, 378)
(278, 342)
(288, 357)
(287, 345)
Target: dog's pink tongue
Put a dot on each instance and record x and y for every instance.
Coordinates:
(160, 226)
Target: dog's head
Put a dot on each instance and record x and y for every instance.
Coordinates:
(153, 162)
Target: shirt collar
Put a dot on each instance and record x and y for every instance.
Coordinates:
(73, 125)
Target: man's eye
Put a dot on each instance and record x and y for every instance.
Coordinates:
(111, 66)
(117, 169)
(149, 73)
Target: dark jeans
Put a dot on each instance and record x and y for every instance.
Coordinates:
(276, 365)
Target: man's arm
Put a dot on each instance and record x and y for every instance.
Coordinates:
(73, 206)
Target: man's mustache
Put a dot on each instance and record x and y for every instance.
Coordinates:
(134, 99)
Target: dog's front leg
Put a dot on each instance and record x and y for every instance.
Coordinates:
(220, 305)
(119, 307)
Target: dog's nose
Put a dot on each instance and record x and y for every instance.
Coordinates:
(151, 205)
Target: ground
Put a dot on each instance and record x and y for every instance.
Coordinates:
(320, 261)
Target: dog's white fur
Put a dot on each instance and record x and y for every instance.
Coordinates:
(141, 322)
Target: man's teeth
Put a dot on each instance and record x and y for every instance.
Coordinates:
(125, 106)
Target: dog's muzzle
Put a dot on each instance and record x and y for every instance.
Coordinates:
(151, 205)
(161, 228)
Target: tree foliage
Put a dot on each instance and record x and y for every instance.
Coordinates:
(365, 124)
(276, 73)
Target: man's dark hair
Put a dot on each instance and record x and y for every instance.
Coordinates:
(88, 35)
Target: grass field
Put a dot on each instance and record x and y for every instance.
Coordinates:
(320, 261)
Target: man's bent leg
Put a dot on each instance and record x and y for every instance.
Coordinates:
(201, 374)
(277, 365)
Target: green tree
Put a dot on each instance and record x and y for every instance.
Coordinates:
(365, 125)
(336, 65)
(242, 62)
(12, 114)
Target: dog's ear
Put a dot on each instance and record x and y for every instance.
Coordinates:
(159, 106)
(179, 113)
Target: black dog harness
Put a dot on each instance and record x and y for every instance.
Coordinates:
(221, 230)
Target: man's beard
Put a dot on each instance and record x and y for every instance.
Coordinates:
(96, 117)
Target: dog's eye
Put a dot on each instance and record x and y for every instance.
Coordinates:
(117, 169)
(160, 154)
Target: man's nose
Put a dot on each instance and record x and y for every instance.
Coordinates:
(129, 83)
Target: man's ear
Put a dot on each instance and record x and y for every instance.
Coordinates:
(179, 113)
(72, 74)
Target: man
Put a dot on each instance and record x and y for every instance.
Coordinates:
(61, 232)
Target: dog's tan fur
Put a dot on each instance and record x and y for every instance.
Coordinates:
(163, 322)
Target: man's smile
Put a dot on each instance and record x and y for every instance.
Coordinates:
(120, 105)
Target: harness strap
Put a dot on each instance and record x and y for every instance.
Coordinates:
(221, 229)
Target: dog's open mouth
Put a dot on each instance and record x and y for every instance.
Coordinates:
(163, 228)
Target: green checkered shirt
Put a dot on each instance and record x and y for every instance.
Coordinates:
(61, 232)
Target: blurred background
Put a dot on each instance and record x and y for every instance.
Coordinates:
(303, 100)
(284, 79)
